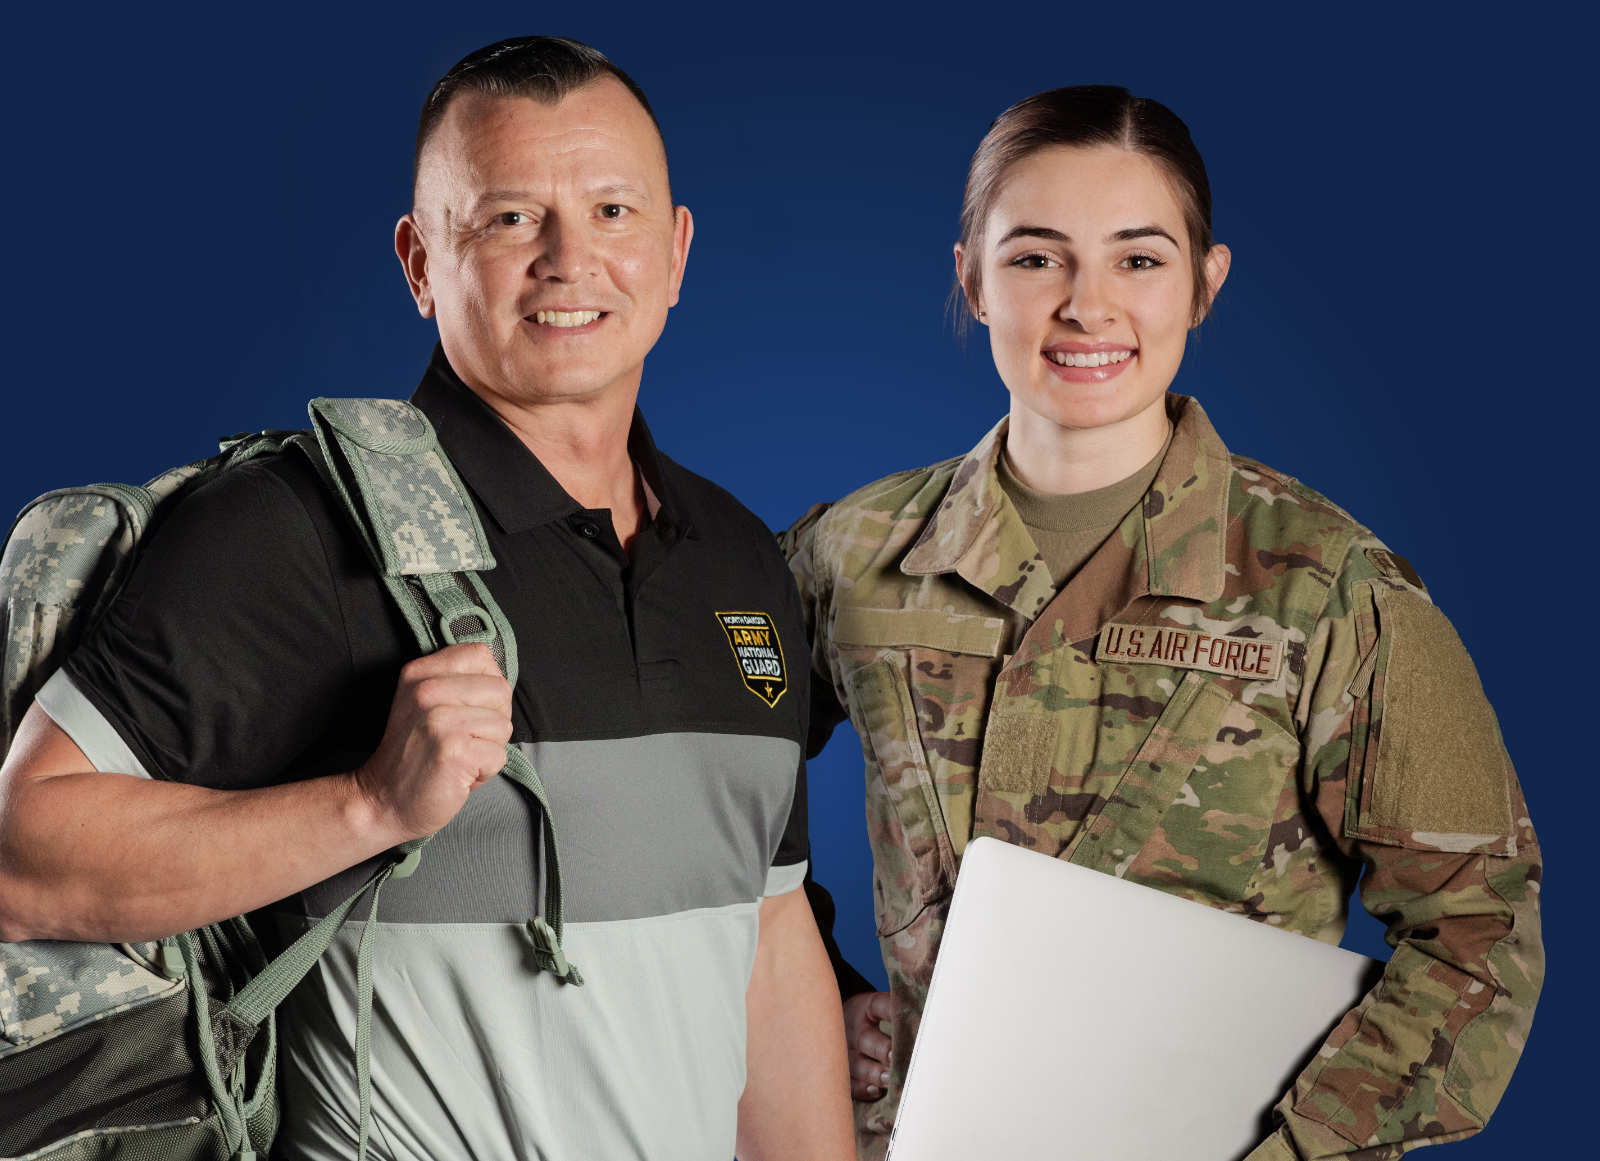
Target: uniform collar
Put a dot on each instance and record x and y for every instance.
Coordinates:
(977, 534)
(508, 479)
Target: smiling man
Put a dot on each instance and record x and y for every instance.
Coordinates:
(259, 685)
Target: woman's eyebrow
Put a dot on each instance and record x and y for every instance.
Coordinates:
(1035, 232)
(1141, 232)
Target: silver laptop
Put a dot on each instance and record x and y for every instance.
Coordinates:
(1075, 1015)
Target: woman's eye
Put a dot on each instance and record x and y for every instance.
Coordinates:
(1143, 262)
(612, 212)
(1034, 262)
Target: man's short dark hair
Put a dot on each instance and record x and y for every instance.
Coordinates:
(544, 68)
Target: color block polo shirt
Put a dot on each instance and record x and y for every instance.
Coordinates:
(254, 645)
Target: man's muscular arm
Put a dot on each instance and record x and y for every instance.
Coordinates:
(110, 857)
(795, 1105)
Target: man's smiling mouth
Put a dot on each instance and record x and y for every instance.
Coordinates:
(565, 318)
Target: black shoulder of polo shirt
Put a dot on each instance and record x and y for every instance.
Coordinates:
(253, 642)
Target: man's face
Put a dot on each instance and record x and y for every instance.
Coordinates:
(545, 243)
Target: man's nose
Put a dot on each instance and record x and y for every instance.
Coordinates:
(564, 255)
(1089, 302)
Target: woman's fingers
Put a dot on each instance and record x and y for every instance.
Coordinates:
(880, 1006)
(870, 1048)
(865, 1074)
(874, 1045)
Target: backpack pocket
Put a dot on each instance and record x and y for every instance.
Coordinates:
(912, 856)
(49, 987)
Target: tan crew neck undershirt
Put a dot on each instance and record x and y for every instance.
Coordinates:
(1068, 529)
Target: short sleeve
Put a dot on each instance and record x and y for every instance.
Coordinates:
(789, 864)
(251, 643)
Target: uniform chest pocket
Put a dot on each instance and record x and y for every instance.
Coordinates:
(914, 863)
(1193, 813)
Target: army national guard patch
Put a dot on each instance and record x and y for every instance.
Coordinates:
(1248, 658)
(756, 647)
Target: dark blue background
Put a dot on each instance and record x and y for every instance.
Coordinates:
(199, 208)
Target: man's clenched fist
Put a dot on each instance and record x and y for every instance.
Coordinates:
(446, 736)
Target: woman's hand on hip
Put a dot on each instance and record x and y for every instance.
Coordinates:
(869, 1049)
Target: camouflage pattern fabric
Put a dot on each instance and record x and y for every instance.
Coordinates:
(66, 557)
(413, 499)
(48, 987)
(1242, 699)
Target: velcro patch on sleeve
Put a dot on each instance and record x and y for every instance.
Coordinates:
(1441, 769)
(1247, 658)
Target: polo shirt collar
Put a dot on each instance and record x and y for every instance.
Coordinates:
(508, 480)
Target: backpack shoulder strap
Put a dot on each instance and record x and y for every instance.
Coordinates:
(421, 530)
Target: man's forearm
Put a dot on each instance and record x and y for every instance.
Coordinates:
(796, 1102)
(111, 857)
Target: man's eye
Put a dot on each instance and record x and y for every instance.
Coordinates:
(511, 218)
(611, 211)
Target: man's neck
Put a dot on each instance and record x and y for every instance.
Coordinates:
(583, 443)
(1061, 461)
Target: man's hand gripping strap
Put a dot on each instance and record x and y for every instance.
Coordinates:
(421, 530)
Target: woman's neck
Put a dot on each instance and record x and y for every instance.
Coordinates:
(1063, 461)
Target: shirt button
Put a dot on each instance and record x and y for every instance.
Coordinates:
(589, 530)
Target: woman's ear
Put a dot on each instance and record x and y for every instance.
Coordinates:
(1217, 264)
(972, 307)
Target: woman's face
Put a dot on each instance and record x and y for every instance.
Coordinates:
(1087, 285)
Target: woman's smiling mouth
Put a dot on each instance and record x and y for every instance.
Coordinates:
(1087, 362)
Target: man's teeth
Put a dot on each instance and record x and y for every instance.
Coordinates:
(1098, 359)
(565, 318)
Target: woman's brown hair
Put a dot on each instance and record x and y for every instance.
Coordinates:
(1084, 116)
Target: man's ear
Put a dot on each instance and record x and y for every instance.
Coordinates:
(682, 235)
(412, 251)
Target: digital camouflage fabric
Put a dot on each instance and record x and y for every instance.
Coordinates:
(1243, 699)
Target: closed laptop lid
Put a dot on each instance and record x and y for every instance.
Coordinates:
(1072, 1014)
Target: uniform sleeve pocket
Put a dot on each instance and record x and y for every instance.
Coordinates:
(1434, 772)
(912, 856)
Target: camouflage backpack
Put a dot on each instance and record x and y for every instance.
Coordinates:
(166, 1051)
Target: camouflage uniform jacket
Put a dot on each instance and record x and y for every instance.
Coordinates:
(1242, 699)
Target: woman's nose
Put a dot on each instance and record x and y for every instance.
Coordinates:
(1088, 304)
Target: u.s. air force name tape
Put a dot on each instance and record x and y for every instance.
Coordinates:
(1249, 658)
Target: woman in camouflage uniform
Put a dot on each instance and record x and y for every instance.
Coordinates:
(1102, 636)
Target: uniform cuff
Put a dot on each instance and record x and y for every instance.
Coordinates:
(1274, 1148)
(87, 726)
(782, 880)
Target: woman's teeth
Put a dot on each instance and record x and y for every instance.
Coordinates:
(565, 318)
(1098, 359)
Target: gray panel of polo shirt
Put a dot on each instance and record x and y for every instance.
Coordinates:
(476, 1053)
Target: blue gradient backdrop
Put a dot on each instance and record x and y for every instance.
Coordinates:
(200, 203)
